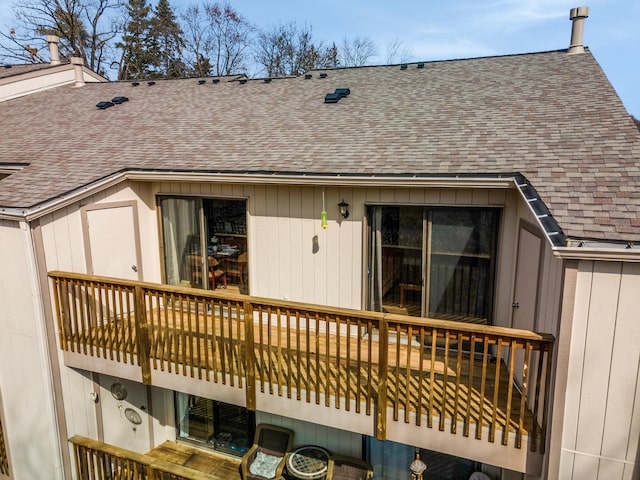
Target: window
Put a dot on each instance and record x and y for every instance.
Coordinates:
(216, 425)
(205, 242)
(433, 262)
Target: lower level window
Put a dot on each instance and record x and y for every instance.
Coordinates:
(217, 425)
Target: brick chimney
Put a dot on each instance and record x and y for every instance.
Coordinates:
(577, 16)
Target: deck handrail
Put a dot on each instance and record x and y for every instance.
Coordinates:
(438, 369)
(329, 310)
(98, 460)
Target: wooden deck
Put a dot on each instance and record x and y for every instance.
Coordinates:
(419, 370)
(100, 461)
(219, 467)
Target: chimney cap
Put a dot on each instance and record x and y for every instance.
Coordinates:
(53, 39)
(578, 12)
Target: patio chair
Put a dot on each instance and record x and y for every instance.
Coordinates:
(266, 458)
(349, 468)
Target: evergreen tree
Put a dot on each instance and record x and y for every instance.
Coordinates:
(137, 57)
(168, 42)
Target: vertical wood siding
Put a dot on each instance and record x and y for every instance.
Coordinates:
(346, 443)
(292, 258)
(601, 427)
(283, 232)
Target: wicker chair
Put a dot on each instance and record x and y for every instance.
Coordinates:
(269, 440)
(348, 468)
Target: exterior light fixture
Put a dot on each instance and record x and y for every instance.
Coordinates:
(417, 467)
(344, 209)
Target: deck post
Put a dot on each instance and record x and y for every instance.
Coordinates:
(383, 361)
(250, 359)
(142, 336)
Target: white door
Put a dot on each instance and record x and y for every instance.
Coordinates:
(112, 241)
(525, 298)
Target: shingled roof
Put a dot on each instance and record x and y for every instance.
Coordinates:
(9, 70)
(552, 117)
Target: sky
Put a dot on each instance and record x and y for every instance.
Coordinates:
(452, 29)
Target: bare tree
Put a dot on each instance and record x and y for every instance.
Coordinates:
(230, 38)
(290, 50)
(356, 52)
(83, 26)
(397, 52)
(196, 40)
(218, 39)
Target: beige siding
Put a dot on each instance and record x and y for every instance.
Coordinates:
(64, 249)
(290, 257)
(600, 438)
(284, 225)
(549, 279)
(334, 440)
(117, 429)
(29, 420)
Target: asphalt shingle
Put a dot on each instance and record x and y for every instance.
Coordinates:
(551, 117)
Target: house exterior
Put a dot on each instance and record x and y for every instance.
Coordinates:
(438, 256)
(24, 79)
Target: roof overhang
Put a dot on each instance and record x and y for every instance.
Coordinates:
(263, 178)
(561, 247)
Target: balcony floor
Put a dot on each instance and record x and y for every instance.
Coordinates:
(415, 383)
(220, 467)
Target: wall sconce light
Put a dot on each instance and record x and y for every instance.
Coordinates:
(344, 209)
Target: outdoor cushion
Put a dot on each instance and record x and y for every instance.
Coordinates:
(265, 465)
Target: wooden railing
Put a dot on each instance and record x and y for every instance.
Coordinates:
(99, 461)
(484, 380)
(4, 456)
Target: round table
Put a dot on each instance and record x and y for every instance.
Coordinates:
(308, 463)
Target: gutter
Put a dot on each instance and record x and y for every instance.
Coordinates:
(343, 180)
(44, 208)
(622, 254)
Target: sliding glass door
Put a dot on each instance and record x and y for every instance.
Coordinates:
(432, 262)
(181, 240)
(204, 242)
(214, 424)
